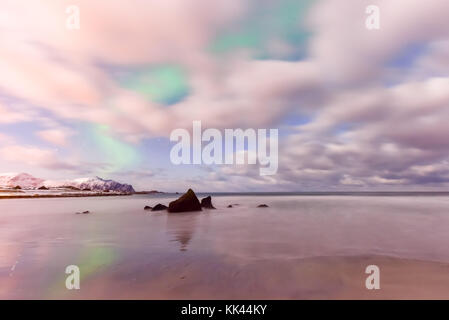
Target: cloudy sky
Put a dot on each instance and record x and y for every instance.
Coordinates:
(356, 109)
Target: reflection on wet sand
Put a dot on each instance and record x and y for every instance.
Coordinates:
(181, 227)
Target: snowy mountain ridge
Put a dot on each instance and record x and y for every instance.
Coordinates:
(27, 181)
(23, 180)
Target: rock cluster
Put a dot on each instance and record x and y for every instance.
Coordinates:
(189, 202)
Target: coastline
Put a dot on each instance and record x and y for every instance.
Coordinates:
(68, 195)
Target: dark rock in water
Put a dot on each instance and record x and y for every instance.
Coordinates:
(262, 206)
(187, 202)
(159, 207)
(207, 203)
(230, 206)
(147, 208)
(17, 188)
(87, 189)
(42, 188)
(84, 212)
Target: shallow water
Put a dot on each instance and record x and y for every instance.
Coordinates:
(244, 251)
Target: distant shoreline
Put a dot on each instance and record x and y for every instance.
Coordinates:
(68, 195)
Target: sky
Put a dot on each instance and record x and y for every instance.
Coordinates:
(356, 109)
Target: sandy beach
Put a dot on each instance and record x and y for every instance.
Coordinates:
(300, 247)
(310, 278)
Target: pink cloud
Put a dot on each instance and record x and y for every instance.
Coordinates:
(58, 137)
(37, 157)
(350, 53)
(12, 116)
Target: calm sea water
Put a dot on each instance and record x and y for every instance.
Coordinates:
(126, 252)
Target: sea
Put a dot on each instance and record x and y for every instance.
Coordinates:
(302, 246)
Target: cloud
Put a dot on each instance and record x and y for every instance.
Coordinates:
(367, 139)
(56, 136)
(352, 54)
(7, 115)
(36, 157)
(5, 139)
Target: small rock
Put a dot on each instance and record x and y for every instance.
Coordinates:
(262, 206)
(84, 212)
(42, 188)
(147, 208)
(230, 206)
(207, 203)
(159, 207)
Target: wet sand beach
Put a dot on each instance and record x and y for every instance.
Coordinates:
(300, 247)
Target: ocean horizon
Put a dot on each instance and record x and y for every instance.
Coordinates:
(311, 193)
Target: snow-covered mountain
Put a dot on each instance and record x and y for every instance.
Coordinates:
(94, 184)
(27, 181)
(23, 180)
